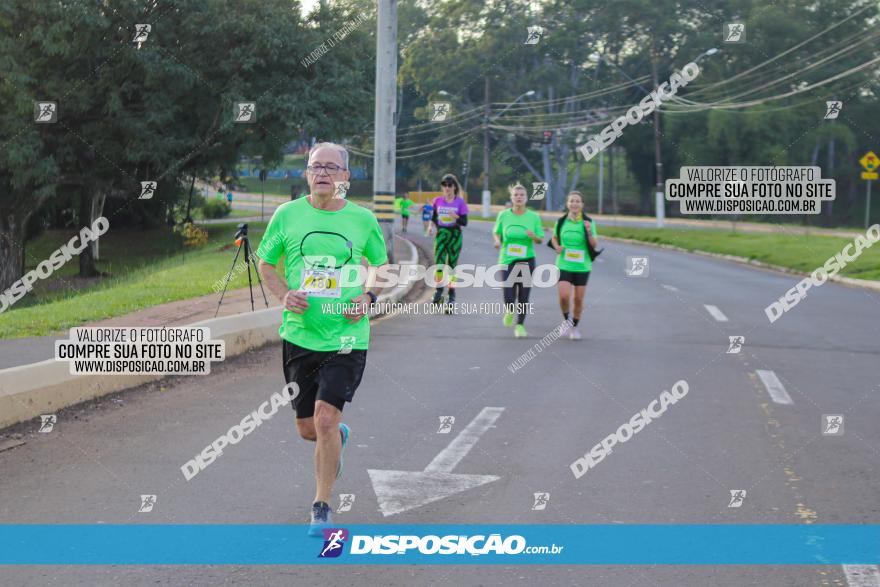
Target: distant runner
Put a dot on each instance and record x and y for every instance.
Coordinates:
(574, 239)
(450, 214)
(324, 350)
(516, 231)
(427, 213)
(404, 206)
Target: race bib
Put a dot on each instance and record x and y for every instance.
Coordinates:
(574, 255)
(516, 250)
(322, 283)
(444, 215)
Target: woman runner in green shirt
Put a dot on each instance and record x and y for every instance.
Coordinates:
(516, 231)
(570, 242)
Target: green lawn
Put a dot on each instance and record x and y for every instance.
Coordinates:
(144, 274)
(800, 252)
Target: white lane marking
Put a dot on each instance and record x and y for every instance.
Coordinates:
(400, 491)
(862, 575)
(774, 387)
(450, 456)
(669, 287)
(715, 312)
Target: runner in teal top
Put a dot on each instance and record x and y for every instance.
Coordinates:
(570, 240)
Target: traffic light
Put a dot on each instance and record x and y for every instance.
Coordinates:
(548, 135)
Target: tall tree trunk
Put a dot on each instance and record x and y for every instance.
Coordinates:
(829, 205)
(86, 258)
(11, 247)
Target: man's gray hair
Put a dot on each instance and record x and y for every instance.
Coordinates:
(334, 146)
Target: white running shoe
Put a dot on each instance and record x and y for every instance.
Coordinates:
(574, 333)
(564, 328)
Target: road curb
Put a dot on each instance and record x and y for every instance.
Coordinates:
(862, 283)
(27, 391)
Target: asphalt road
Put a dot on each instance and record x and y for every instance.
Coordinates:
(641, 335)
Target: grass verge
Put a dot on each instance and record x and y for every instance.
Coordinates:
(138, 281)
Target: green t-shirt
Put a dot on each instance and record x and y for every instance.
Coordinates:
(515, 243)
(573, 240)
(405, 203)
(317, 244)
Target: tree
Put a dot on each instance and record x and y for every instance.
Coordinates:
(161, 111)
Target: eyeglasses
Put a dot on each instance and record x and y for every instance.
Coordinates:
(447, 184)
(330, 169)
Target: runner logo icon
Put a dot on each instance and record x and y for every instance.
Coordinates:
(832, 109)
(446, 423)
(147, 504)
(539, 190)
(346, 500)
(637, 266)
(736, 498)
(141, 32)
(736, 343)
(832, 424)
(47, 422)
(541, 499)
(334, 540)
(535, 34)
(346, 343)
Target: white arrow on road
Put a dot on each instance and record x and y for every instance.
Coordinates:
(399, 491)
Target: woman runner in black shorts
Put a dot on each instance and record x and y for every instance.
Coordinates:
(570, 240)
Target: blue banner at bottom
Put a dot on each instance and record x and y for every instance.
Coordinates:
(426, 544)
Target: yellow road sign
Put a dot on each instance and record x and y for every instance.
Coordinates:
(870, 175)
(870, 161)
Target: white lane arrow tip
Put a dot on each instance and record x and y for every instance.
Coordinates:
(400, 491)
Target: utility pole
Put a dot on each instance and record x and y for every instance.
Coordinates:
(385, 138)
(601, 177)
(487, 195)
(467, 168)
(612, 182)
(659, 202)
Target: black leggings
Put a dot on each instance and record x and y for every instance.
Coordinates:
(518, 288)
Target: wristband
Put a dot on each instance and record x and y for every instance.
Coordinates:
(373, 297)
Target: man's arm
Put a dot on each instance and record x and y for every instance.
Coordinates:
(360, 305)
(292, 300)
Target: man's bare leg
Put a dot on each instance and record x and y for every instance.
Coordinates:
(327, 448)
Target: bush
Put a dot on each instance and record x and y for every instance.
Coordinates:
(216, 209)
(193, 236)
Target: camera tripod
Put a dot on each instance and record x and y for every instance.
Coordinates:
(241, 239)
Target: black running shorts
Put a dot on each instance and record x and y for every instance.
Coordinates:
(574, 277)
(329, 376)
